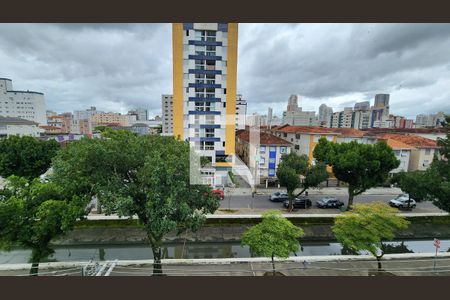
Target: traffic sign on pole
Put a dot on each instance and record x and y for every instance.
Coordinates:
(437, 243)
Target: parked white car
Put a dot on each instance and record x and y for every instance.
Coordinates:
(402, 201)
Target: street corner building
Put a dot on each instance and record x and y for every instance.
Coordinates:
(204, 92)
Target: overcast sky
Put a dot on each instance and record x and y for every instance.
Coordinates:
(117, 67)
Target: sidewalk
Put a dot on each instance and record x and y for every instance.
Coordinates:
(335, 191)
(411, 264)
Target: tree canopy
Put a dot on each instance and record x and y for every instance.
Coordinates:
(33, 213)
(25, 156)
(361, 166)
(438, 174)
(414, 183)
(275, 236)
(290, 170)
(366, 226)
(147, 176)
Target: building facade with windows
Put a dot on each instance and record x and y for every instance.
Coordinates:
(204, 92)
(16, 126)
(305, 138)
(167, 114)
(26, 105)
(267, 158)
(241, 112)
(423, 150)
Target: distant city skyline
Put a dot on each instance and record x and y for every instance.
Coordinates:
(114, 66)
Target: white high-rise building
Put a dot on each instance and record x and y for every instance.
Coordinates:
(241, 112)
(167, 114)
(140, 113)
(27, 105)
(430, 120)
(325, 115)
(296, 117)
(204, 92)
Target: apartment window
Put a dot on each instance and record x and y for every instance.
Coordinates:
(210, 65)
(285, 134)
(199, 64)
(224, 91)
(283, 150)
(427, 151)
(262, 160)
(202, 106)
(187, 90)
(210, 50)
(297, 136)
(223, 144)
(273, 149)
(187, 32)
(209, 132)
(209, 120)
(297, 147)
(262, 149)
(224, 104)
(397, 152)
(271, 160)
(196, 132)
(206, 145)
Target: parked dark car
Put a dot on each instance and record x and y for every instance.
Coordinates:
(299, 202)
(278, 197)
(329, 202)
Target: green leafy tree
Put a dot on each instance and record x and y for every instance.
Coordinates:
(307, 176)
(147, 176)
(366, 226)
(33, 213)
(438, 174)
(294, 172)
(361, 166)
(26, 156)
(275, 236)
(415, 184)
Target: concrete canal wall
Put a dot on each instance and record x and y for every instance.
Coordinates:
(226, 229)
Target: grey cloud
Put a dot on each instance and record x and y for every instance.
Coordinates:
(118, 66)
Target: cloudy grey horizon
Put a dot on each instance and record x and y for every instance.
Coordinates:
(117, 67)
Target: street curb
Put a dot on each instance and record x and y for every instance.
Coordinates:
(227, 261)
(258, 216)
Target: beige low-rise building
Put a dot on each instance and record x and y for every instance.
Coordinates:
(305, 138)
(422, 153)
(112, 119)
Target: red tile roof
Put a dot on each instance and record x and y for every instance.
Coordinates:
(264, 138)
(349, 132)
(403, 130)
(411, 140)
(305, 129)
(394, 144)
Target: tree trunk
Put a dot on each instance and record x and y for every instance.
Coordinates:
(291, 198)
(350, 197)
(273, 266)
(157, 267)
(35, 259)
(379, 263)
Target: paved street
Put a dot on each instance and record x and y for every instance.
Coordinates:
(263, 202)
